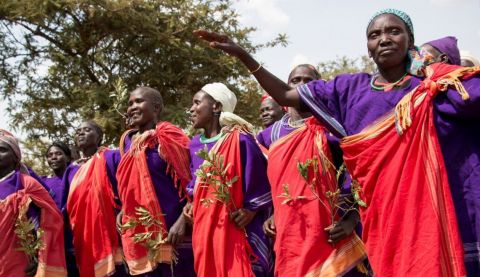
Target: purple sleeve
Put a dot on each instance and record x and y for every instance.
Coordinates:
(322, 99)
(452, 104)
(256, 187)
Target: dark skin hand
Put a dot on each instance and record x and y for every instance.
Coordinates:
(31, 269)
(278, 89)
(344, 228)
(176, 234)
(242, 217)
(269, 227)
(188, 212)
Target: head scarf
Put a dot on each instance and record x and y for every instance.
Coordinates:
(12, 142)
(466, 55)
(448, 46)
(266, 97)
(400, 14)
(220, 93)
(415, 64)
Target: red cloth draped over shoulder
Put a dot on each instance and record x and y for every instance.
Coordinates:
(90, 207)
(136, 190)
(302, 211)
(51, 258)
(409, 224)
(220, 248)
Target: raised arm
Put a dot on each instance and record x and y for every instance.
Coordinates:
(279, 90)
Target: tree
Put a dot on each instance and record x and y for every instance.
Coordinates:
(330, 69)
(65, 61)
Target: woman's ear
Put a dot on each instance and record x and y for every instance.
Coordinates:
(217, 107)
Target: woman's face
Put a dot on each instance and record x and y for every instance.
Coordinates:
(202, 109)
(57, 159)
(7, 157)
(86, 136)
(301, 75)
(141, 110)
(388, 41)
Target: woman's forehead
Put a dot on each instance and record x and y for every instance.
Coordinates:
(386, 20)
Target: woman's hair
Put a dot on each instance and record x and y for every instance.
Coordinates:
(308, 66)
(63, 146)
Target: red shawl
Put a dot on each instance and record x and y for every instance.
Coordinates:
(51, 257)
(220, 248)
(301, 246)
(136, 190)
(409, 225)
(91, 212)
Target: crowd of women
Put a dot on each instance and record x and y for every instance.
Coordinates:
(364, 174)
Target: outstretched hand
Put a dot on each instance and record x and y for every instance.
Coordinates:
(220, 41)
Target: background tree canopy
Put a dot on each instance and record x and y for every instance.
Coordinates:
(62, 62)
(65, 61)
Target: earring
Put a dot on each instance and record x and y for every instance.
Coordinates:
(216, 113)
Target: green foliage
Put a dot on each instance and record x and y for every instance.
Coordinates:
(330, 69)
(29, 239)
(62, 62)
(213, 174)
(155, 235)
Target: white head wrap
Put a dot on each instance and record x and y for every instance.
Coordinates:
(227, 98)
(467, 55)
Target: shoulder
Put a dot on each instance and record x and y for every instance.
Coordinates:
(265, 132)
(30, 182)
(339, 83)
(248, 140)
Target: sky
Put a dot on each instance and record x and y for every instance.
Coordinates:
(321, 30)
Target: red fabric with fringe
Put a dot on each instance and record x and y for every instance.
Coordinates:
(409, 224)
(91, 212)
(136, 189)
(51, 257)
(220, 248)
(302, 214)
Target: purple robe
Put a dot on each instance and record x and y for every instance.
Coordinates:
(257, 196)
(172, 206)
(347, 104)
(275, 131)
(55, 184)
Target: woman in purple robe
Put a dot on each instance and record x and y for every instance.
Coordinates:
(257, 196)
(59, 157)
(147, 138)
(350, 102)
(300, 75)
(21, 193)
(88, 139)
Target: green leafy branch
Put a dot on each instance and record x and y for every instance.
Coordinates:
(213, 174)
(29, 239)
(155, 235)
(288, 197)
(310, 172)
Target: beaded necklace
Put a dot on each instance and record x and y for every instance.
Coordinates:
(387, 86)
(205, 140)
